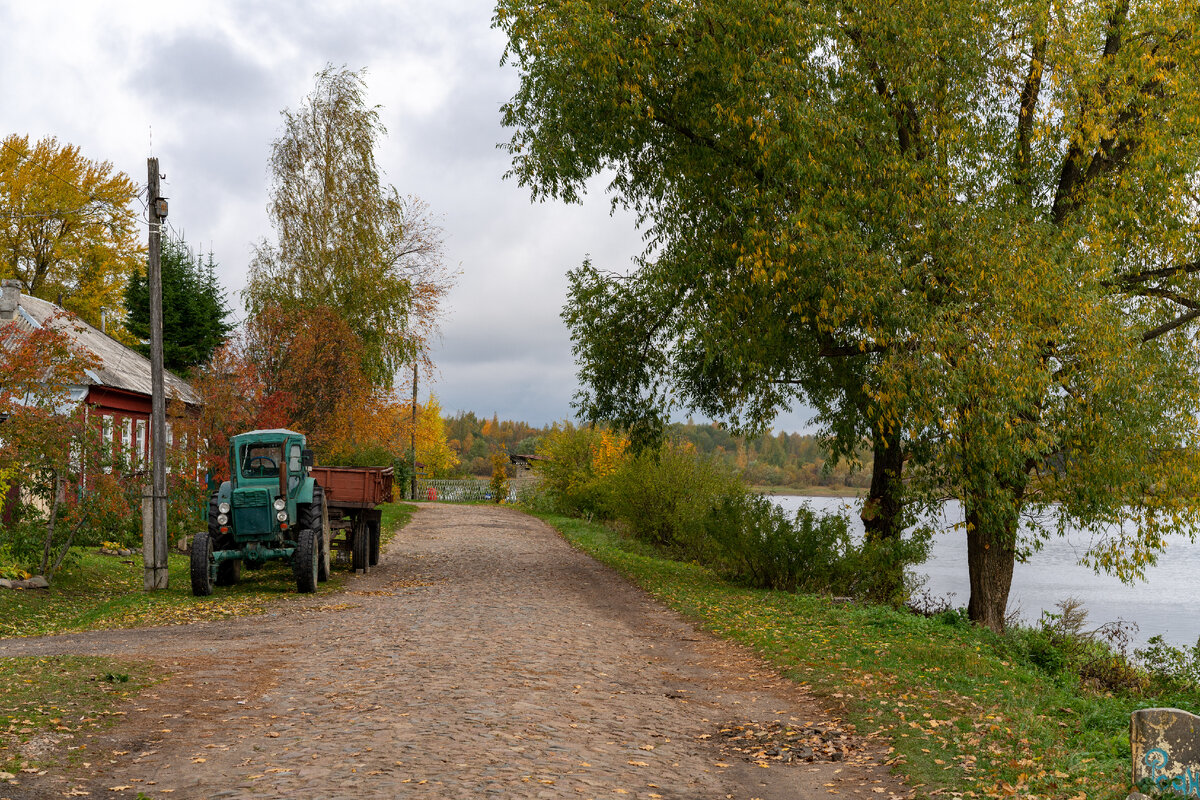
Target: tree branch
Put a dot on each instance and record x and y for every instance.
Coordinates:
(1076, 163)
(1161, 272)
(1167, 327)
(1029, 102)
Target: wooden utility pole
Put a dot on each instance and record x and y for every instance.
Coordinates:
(154, 540)
(412, 445)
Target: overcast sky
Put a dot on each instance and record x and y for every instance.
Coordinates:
(201, 86)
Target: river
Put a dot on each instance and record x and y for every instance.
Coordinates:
(1166, 603)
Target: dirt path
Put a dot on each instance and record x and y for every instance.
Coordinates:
(483, 658)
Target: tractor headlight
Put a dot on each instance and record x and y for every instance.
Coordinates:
(223, 508)
(281, 516)
(222, 519)
(280, 504)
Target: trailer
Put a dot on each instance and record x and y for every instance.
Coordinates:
(352, 499)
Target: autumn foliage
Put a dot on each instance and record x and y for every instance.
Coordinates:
(304, 372)
(69, 232)
(47, 446)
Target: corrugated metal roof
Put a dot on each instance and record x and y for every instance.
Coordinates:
(120, 367)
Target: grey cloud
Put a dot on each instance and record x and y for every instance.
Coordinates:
(537, 392)
(203, 71)
(359, 31)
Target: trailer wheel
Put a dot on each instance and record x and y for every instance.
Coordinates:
(361, 546)
(324, 560)
(373, 527)
(305, 559)
(202, 550)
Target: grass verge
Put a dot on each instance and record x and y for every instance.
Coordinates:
(98, 591)
(966, 713)
(48, 702)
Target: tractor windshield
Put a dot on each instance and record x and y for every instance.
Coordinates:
(261, 460)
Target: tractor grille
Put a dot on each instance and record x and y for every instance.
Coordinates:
(251, 512)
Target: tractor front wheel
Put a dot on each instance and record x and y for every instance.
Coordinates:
(305, 560)
(202, 550)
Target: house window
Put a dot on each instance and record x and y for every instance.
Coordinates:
(106, 436)
(139, 450)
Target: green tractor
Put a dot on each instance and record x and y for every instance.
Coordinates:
(270, 509)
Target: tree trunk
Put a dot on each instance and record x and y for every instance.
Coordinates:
(882, 511)
(881, 514)
(48, 546)
(991, 555)
(62, 553)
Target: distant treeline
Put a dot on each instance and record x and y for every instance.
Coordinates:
(792, 460)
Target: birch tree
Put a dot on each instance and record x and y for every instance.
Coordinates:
(344, 238)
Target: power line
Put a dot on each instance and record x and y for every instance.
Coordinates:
(46, 214)
(25, 158)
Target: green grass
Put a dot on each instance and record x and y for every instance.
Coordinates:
(48, 703)
(98, 591)
(395, 517)
(966, 715)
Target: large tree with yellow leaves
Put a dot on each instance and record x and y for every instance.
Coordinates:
(66, 228)
(965, 232)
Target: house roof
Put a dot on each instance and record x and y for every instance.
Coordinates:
(120, 367)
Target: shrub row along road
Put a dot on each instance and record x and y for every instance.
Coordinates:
(484, 657)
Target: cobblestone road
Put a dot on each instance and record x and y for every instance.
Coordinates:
(483, 658)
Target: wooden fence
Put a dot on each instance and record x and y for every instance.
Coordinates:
(470, 490)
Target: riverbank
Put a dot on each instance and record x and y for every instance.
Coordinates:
(968, 713)
(810, 491)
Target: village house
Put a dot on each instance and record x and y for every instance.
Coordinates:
(117, 391)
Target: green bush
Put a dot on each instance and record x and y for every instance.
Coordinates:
(1175, 666)
(665, 497)
(760, 545)
(576, 477)
(21, 542)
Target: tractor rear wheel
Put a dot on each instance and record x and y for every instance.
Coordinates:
(315, 516)
(373, 527)
(214, 529)
(202, 584)
(361, 547)
(304, 561)
(229, 572)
